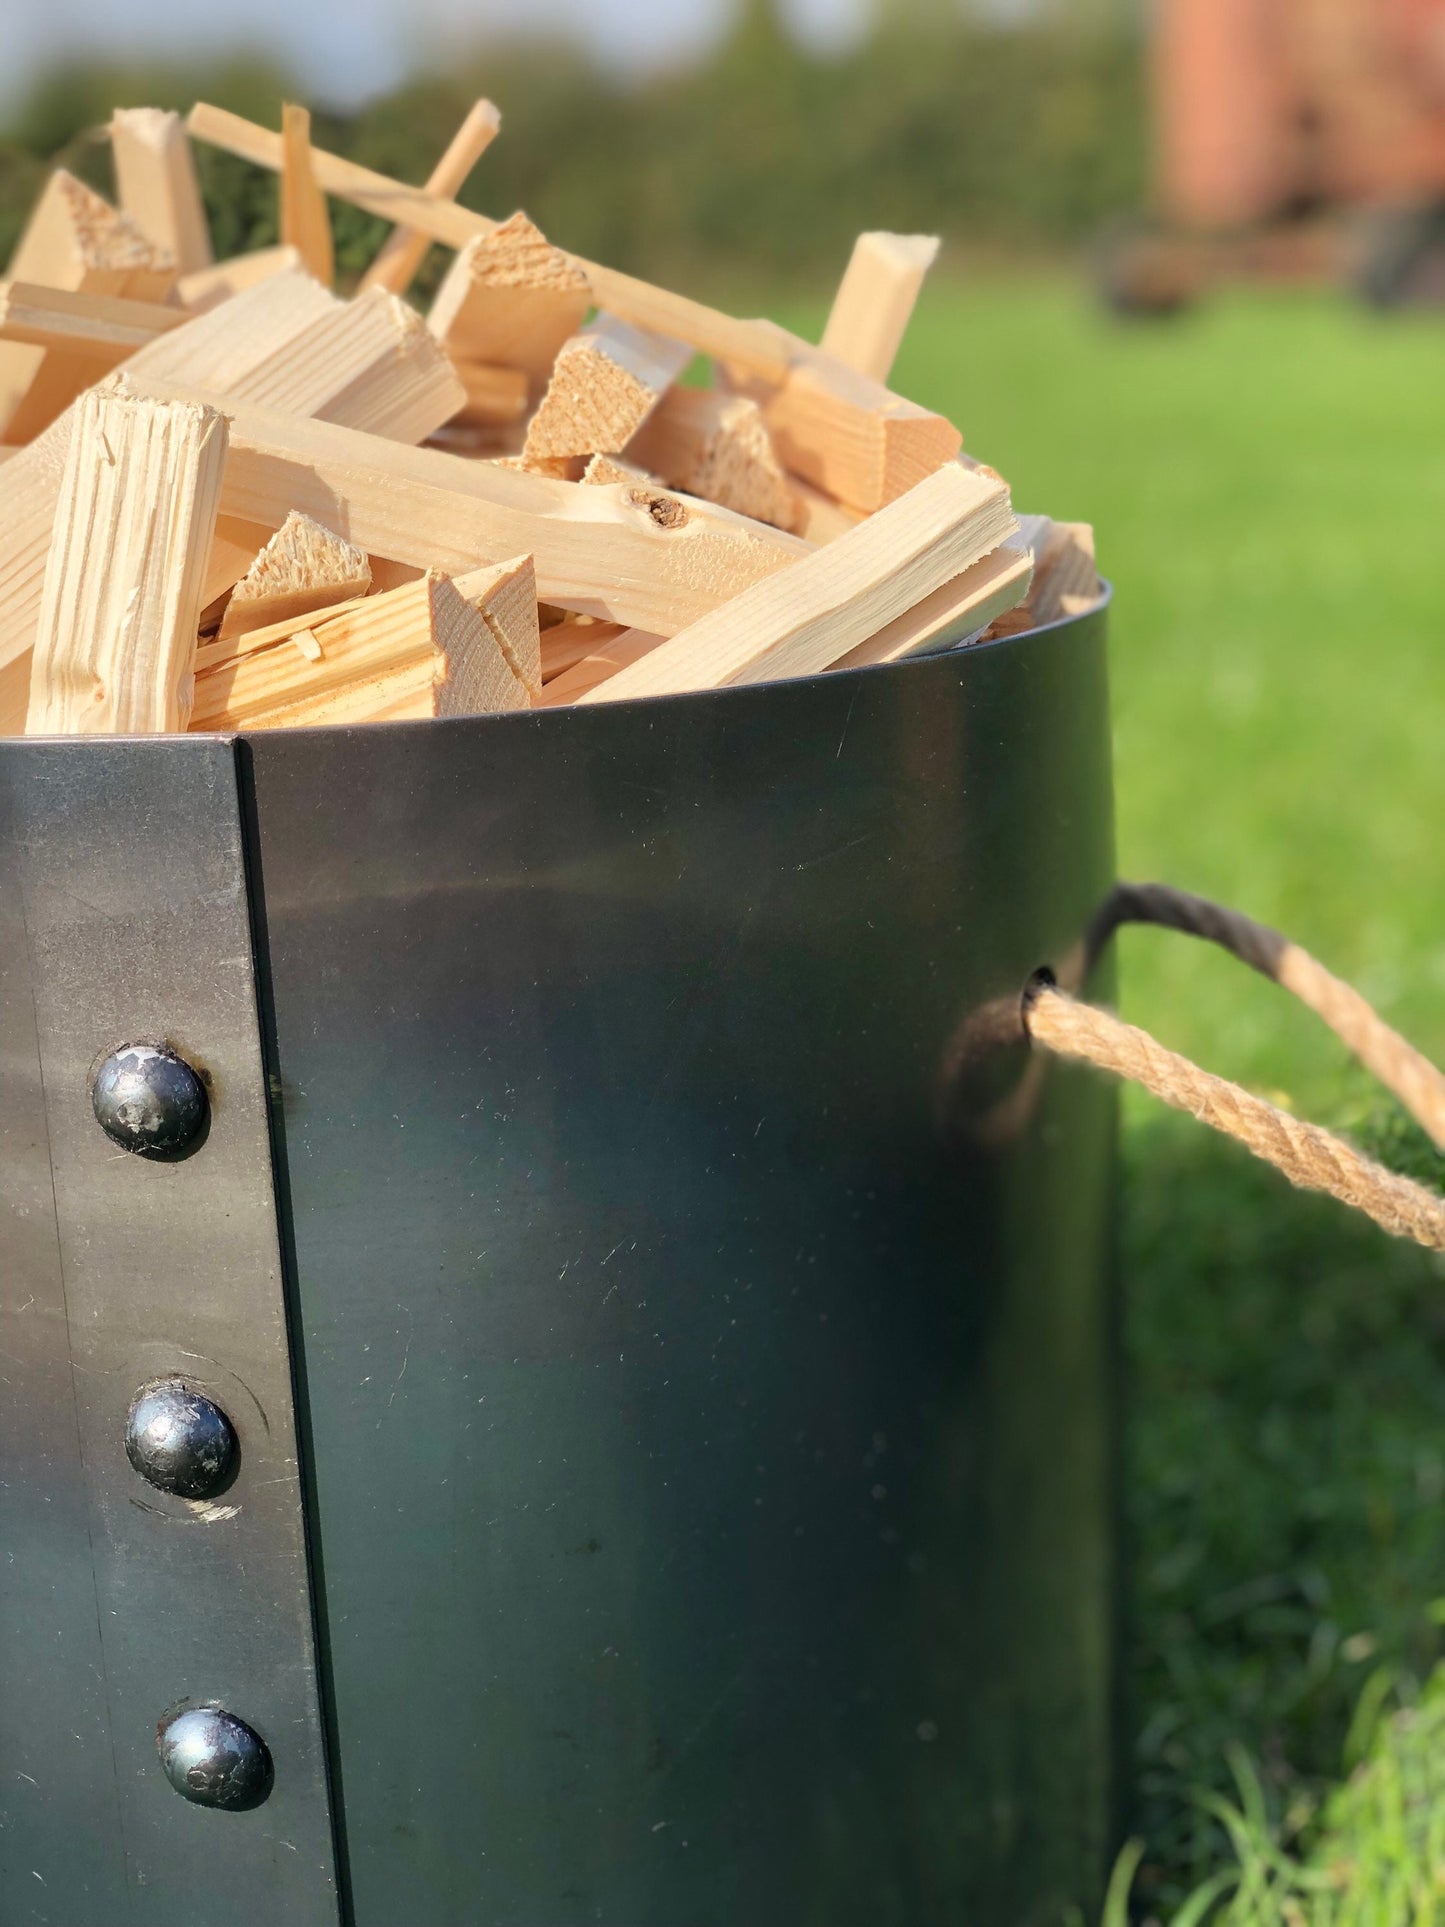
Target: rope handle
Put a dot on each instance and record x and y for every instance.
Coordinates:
(1312, 1158)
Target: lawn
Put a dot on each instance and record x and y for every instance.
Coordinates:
(1267, 479)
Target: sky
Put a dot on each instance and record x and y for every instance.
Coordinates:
(346, 50)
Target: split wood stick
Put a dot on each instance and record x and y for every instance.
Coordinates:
(716, 446)
(304, 567)
(506, 596)
(875, 300)
(110, 327)
(712, 333)
(117, 629)
(231, 347)
(206, 287)
(634, 556)
(155, 178)
(305, 223)
(75, 241)
(816, 610)
(959, 609)
(404, 249)
(566, 642)
(423, 649)
(599, 665)
(495, 396)
(873, 460)
(605, 383)
(510, 299)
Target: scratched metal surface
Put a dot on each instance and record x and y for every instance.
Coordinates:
(123, 916)
(712, 1443)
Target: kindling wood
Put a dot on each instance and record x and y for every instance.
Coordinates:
(117, 628)
(397, 493)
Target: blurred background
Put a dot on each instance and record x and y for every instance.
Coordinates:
(1189, 289)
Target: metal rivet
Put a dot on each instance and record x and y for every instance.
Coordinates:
(179, 1440)
(150, 1101)
(214, 1759)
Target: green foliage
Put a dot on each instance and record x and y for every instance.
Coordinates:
(762, 161)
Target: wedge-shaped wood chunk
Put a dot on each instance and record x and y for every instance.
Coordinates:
(404, 250)
(305, 222)
(74, 241)
(805, 617)
(421, 650)
(875, 300)
(716, 446)
(605, 383)
(155, 178)
(510, 300)
(506, 597)
(302, 568)
(122, 593)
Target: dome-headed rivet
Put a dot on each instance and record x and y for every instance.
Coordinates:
(150, 1101)
(213, 1759)
(179, 1440)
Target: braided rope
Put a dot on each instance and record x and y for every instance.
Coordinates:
(1313, 1159)
(1402, 1069)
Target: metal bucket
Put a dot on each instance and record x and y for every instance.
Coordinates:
(676, 1447)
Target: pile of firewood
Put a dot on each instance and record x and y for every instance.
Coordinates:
(232, 500)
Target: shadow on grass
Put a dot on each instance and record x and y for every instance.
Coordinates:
(1286, 1474)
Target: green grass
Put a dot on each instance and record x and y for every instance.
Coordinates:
(1267, 479)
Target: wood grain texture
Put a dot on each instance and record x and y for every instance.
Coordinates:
(717, 446)
(605, 383)
(122, 594)
(813, 612)
(420, 650)
(302, 568)
(155, 178)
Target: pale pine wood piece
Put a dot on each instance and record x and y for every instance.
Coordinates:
(716, 446)
(423, 649)
(76, 241)
(816, 610)
(305, 223)
(847, 435)
(506, 596)
(1066, 575)
(568, 641)
(155, 178)
(302, 568)
(510, 300)
(404, 249)
(743, 343)
(821, 518)
(959, 609)
(600, 663)
(230, 348)
(494, 396)
(605, 383)
(208, 287)
(602, 471)
(634, 556)
(852, 438)
(117, 631)
(875, 300)
(107, 326)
